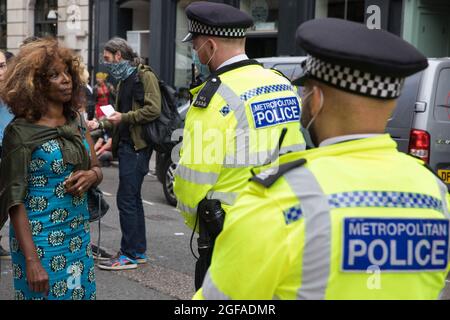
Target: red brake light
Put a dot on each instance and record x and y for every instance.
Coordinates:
(419, 144)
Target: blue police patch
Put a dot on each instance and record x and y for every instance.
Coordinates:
(225, 110)
(292, 214)
(272, 112)
(400, 245)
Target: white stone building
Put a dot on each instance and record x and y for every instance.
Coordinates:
(67, 20)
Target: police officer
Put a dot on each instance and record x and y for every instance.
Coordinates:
(243, 115)
(354, 218)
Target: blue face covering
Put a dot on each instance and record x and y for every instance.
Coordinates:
(120, 70)
(203, 69)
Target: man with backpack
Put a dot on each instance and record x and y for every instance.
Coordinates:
(138, 103)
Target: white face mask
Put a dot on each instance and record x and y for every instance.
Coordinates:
(320, 108)
(197, 59)
(308, 129)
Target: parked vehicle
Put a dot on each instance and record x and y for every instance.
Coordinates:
(289, 66)
(421, 121)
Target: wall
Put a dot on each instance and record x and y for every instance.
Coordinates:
(427, 26)
(73, 25)
(73, 34)
(18, 26)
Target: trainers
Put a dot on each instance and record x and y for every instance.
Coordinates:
(141, 258)
(4, 254)
(120, 263)
(100, 254)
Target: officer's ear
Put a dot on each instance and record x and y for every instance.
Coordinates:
(316, 99)
(213, 46)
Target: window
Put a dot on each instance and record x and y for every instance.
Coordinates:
(442, 109)
(46, 18)
(352, 10)
(183, 51)
(262, 38)
(3, 25)
(264, 14)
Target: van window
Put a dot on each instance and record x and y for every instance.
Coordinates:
(287, 69)
(442, 101)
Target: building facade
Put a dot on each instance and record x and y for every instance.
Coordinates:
(155, 27)
(67, 20)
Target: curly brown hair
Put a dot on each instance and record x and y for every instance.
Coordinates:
(26, 80)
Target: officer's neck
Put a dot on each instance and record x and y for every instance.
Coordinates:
(324, 133)
(222, 56)
(357, 116)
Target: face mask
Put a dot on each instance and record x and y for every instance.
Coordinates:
(202, 68)
(120, 70)
(308, 128)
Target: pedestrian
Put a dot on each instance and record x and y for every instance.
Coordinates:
(88, 104)
(354, 218)
(5, 118)
(46, 171)
(138, 102)
(103, 92)
(103, 148)
(248, 116)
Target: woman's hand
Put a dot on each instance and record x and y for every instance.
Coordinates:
(80, 182)
(93, 124)
(37, 277)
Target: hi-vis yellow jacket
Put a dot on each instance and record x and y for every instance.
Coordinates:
(234, 124)
(357, 220)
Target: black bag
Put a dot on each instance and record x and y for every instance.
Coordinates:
(97, 205)
(158, 133)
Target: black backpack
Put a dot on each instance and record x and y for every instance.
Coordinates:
(158, 133)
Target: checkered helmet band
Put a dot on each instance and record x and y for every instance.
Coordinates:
(354, 80)
(196, 27)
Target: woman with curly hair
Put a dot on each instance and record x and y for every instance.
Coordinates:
(48, 165)
(5, 118)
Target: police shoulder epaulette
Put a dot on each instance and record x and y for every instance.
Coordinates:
(268, 177)
(207, 93)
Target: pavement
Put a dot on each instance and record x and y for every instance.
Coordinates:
(169, 273)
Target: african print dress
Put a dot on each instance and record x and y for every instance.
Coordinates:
(60, 228)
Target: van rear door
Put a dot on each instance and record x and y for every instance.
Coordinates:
(399, 127)
(439, 126)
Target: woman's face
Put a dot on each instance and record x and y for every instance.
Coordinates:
(60, 82)
(100, 81)
(3, 66)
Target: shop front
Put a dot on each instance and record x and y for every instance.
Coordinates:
(163, 24)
